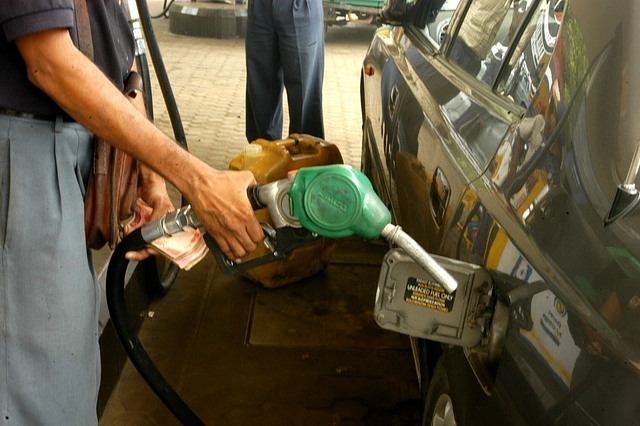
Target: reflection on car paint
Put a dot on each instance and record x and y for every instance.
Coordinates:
(532, 146)
(550, 335)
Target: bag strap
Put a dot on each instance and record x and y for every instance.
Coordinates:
(134, 83)
(85, 42)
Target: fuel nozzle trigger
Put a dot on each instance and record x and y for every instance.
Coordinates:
(281, 239)
(280, 244)
(270, 241)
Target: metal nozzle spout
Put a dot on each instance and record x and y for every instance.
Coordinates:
(395, 235)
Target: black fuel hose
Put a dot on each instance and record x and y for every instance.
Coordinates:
(165, 281)
(143, 64)
(161, 72)
(126, 332)
(165, 9)
(116, 272)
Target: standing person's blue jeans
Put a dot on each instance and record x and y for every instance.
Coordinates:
(284, 49)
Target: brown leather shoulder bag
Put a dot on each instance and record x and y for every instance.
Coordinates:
(111, 197)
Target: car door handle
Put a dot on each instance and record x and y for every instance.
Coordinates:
(440, 195)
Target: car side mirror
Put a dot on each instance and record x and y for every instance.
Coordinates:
(393, 12)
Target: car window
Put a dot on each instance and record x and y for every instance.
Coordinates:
(488, 29)
(527, 67)
(437, 25)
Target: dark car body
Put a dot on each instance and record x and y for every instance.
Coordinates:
(509, 156)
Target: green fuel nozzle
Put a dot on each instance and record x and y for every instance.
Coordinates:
(337, 201)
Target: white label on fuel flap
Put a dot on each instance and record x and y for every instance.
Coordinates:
(428, 294)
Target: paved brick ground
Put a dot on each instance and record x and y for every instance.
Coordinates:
(208, 80)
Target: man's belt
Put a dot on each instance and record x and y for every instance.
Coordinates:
(44, 117)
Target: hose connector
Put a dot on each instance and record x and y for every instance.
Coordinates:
(170, 224)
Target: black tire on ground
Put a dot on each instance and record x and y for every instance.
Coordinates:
(438, 407)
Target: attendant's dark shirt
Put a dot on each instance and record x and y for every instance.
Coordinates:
(113, 46)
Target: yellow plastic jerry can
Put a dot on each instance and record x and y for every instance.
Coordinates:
(273, 160)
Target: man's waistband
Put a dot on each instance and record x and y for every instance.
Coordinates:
(13, 113)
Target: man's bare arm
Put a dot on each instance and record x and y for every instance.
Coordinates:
(219, 199)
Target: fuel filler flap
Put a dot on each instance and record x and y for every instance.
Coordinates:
(410, 301)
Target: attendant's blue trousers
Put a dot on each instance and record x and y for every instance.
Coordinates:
(284, 49)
